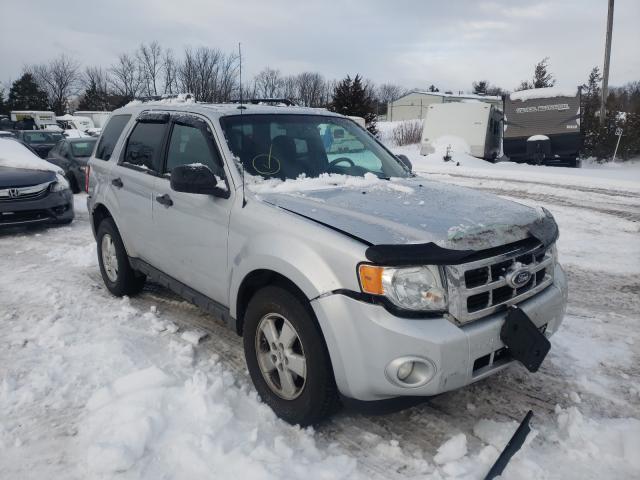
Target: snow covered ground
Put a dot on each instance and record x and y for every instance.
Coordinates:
(92, 386)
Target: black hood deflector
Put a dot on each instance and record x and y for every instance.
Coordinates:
(545, 231)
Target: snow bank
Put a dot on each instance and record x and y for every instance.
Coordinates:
(151, 425)
(550, 92)
(14, 154)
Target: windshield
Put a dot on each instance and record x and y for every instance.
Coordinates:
(82, 149)
(42, 137)
(287, 146)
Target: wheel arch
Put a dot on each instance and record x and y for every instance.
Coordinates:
(257, 279)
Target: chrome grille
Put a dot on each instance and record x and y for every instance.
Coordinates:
(480, 288)
(24, 193)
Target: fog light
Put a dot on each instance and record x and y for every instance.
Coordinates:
(404, 370)
(410, 371)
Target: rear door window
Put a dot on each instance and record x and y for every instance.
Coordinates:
(144, 146)
(110, 136)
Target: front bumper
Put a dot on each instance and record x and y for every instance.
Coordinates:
(54, 207)
(364, 338)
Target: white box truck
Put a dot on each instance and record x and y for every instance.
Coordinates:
(34, 120)
(476, 124)
(98, 118)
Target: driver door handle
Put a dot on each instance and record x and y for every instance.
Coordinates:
(117, 182)
(164, 200)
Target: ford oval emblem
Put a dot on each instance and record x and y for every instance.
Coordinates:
(518, 277)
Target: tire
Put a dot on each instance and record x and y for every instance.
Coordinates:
(316, 394)
(121, 280)
(73, 184)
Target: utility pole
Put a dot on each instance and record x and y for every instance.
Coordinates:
(605, 71)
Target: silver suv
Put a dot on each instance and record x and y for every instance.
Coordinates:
(346, 274)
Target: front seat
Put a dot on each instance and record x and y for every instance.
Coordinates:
(284, 149)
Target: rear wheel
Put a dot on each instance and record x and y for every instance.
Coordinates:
(73, 183)
(117, 274)
(287, 357)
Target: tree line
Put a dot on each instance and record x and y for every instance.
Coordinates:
(211, 75)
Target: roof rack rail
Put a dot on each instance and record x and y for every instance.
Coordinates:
(167, 96)
(256, 101)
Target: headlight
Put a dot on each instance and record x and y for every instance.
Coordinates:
(554, 253)
(60, 184)
(411, 288)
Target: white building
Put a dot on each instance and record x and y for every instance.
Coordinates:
(414, 104)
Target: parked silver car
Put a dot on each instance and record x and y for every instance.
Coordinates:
(344, 273)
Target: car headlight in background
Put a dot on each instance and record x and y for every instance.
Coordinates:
(411, 288)
(60, 184)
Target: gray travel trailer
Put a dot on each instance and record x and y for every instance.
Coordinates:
(542, 126)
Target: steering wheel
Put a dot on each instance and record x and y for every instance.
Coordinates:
(333, 163)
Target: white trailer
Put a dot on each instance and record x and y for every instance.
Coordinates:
(476, 124)
(41, 120)
(99, 118)
(75, 122)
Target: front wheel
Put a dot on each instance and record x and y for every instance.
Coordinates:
(117, 274)
(287, 357)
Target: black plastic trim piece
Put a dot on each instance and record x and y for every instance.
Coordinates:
(386, 303)
(189, 294)
(415, 254)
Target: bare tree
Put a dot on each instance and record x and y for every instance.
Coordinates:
(389, 92)
(268, 83)
(170, 68)
(60, 79)
(209, 74)
(95, 76)
(289, 88)
(311, 89)
(125, 77)
(150, 63)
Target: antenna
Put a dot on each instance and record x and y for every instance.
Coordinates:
(240, 57)
(244, 198)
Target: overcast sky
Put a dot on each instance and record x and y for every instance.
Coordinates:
(412, 43)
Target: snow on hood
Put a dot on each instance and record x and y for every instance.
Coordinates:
(408, 211)
(550, 92)
(15, 155)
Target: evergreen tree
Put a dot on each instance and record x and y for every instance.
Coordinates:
(433, 88)
(541, 76)
(352, 97)
(94, 98)
(26, 95)
(3, 107)
(480, 87)
(590, 106)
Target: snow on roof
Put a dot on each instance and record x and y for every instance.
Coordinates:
(15, 155)
(550, 92)
(455, 95)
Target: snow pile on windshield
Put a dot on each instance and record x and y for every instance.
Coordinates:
(550, 92)
(323, 182)
(15, 155)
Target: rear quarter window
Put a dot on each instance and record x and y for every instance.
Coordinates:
(110, 136)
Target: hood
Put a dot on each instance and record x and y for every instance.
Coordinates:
(412, 211)
(23, 177)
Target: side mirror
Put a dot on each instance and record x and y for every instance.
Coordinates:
(405, 160)
(196, 178)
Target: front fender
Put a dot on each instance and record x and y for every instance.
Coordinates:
(301, 263)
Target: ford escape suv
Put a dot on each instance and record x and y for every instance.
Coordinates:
(346, 274)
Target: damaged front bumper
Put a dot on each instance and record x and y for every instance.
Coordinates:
(367, 344)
